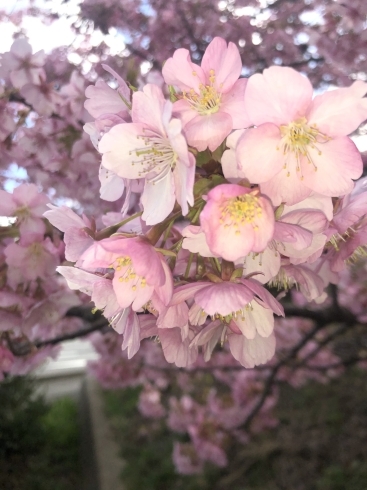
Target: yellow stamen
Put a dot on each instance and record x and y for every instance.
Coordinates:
(241, 210)
(298, 138)
(209, 98)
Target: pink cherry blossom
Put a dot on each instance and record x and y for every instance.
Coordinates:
(212, 99)
(33, 257)
(237, 220)
(42, 96)
(139, 271)
(23, 66)
(243, 308)
(27, 204)
(348, 231)
(152, 147)
(300, 144)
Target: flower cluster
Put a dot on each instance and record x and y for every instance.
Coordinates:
(232, 189)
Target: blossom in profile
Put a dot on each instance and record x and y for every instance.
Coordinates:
(348, 230)
(74, 227)
(102, 100)
(300, 145)
(236, 221)
(153, 148)
(211, 104)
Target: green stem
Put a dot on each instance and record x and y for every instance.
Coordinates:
(107, 232)
(188, 267)
(166, 234)
(216, 264)
(9, 232)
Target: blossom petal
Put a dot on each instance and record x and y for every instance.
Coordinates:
(285, 188)
(338, 163)
(208, 131)
(258, 155)
(233, 103)
(181, 72)
(224, 61)
(280, 95)
(119, 147)
(158, 199)
(339, 112)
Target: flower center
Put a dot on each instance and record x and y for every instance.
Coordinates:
(282, 281)
(235, 315)
(241, 210)
(208, 100)
(125, 272)
(337, 240)
(298, 138)
(22, 213)
(156, 156)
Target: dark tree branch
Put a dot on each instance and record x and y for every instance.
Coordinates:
(96, 325)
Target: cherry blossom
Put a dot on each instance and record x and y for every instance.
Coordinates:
(211, 103)
(301, 143)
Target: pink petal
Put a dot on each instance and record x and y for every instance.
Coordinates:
(264, 295)
(102, 99)
(299, 237)
(339, 162)
(223, 298)
(147, 107)
(195, 241)
(225, 61)
(174, 349)
(181, 72)
(289, 189)
(266, 263)
(251, 353)
(119, 147)
(208, 131)
(165, 291)
(258, 155)
(233, 103)
(280, 95)
(339, 112)
(312, 219)
(158, 199)
(131, 335)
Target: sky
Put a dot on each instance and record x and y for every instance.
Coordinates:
(36, 30)
(59, 34)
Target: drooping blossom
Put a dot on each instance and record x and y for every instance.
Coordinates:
(152, 148)
(212, 100)
(243, 308)
(299, 144)
(237, 220)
